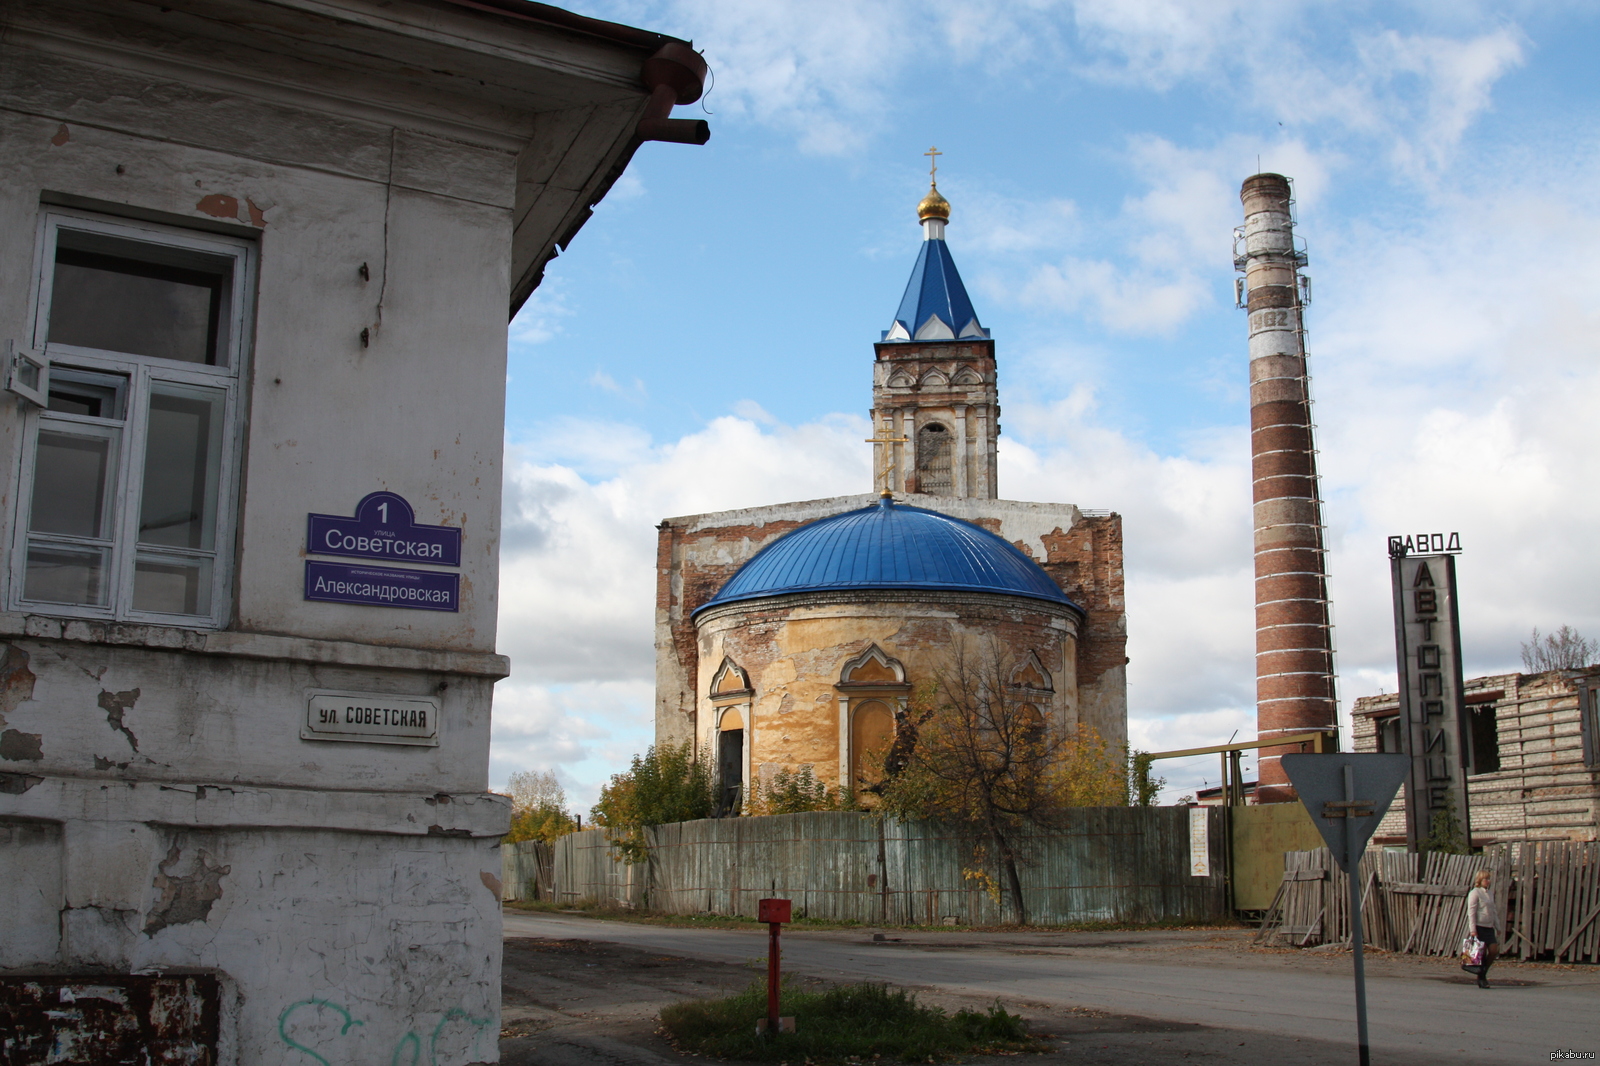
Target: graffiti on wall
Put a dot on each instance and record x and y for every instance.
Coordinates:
(319, 1028)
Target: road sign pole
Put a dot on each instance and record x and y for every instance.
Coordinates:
(1368, 783)
(1352, 852)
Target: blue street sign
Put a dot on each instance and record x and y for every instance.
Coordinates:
(373, 586)
(384, 527)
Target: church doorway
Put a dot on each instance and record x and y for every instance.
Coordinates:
(730, 764)
(933, 460)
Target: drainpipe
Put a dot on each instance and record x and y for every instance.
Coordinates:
(675, 74)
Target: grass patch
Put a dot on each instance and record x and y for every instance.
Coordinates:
(850, 1023)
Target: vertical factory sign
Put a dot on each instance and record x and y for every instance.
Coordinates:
(1427, 636)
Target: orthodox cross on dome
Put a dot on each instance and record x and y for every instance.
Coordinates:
(933, 155)
(892, 458)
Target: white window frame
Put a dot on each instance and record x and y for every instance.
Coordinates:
(227, 376)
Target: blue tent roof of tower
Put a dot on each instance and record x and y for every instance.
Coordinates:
(935, 292)
(889, 546)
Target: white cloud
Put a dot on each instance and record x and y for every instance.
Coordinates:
(577, 578)
(540, 319)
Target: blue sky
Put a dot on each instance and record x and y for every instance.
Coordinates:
(706, 342)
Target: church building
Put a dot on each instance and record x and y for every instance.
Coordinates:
(789, 636)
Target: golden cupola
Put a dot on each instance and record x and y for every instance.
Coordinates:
(933, 205)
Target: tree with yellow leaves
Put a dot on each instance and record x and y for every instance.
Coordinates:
(538, 807)
(973, 753)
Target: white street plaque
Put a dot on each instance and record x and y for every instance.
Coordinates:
(1199, 842)
(371, 718)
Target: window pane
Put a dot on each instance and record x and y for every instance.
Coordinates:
(172, 586)
(71, 474)
(65, 575)
(182, 462)
(81, 392)
(124, 304)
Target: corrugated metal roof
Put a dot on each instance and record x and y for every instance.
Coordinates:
(889, 546)
(935, 291)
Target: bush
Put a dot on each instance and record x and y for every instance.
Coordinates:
(795, 793)
(665, 784)
(840, 1024)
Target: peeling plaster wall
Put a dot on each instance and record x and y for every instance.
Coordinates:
(106, 711)
(1081, 552)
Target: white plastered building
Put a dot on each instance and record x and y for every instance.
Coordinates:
(256, 263)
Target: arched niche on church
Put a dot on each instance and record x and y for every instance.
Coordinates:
(934, 378)
(1031, 723)
(1032, 683)
(871, 733)
(873, 691)
(1030, 674)
(730, 681)
(967, 376)
(901, 380)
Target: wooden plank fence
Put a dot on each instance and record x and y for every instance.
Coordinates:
(527, 870)
(1416, 904)
(1556, 908)
(1106, 864)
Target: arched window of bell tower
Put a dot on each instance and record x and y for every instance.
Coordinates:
(934, 445)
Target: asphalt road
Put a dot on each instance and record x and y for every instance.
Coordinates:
(1420, 1009)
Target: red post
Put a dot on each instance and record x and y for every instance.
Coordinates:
(774, 912)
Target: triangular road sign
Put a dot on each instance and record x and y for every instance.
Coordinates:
(1346, 793)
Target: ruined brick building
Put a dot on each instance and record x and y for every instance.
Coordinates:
(788, 636)
(1534, 771)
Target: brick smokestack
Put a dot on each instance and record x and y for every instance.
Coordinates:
(1294, 646)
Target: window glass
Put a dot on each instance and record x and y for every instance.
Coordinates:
(78, 392)
(182, 460)
(116, 302)
(66, 575)
(71, 484)
(171, 584)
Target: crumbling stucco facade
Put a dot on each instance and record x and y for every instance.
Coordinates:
(362, 192)
(797, 652)
(1535, 752)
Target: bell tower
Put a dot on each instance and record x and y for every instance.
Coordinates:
(935, 405)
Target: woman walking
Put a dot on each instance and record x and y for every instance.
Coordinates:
(1483, 921)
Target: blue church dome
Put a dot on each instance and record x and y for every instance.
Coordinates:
(889, 546)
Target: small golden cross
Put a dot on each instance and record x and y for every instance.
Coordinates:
(894, 454)
(933, 155)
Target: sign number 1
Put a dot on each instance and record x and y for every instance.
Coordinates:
(383, 512)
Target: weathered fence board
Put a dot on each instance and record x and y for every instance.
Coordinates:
(1112, 864)
(1549, 891)
(527, 870)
